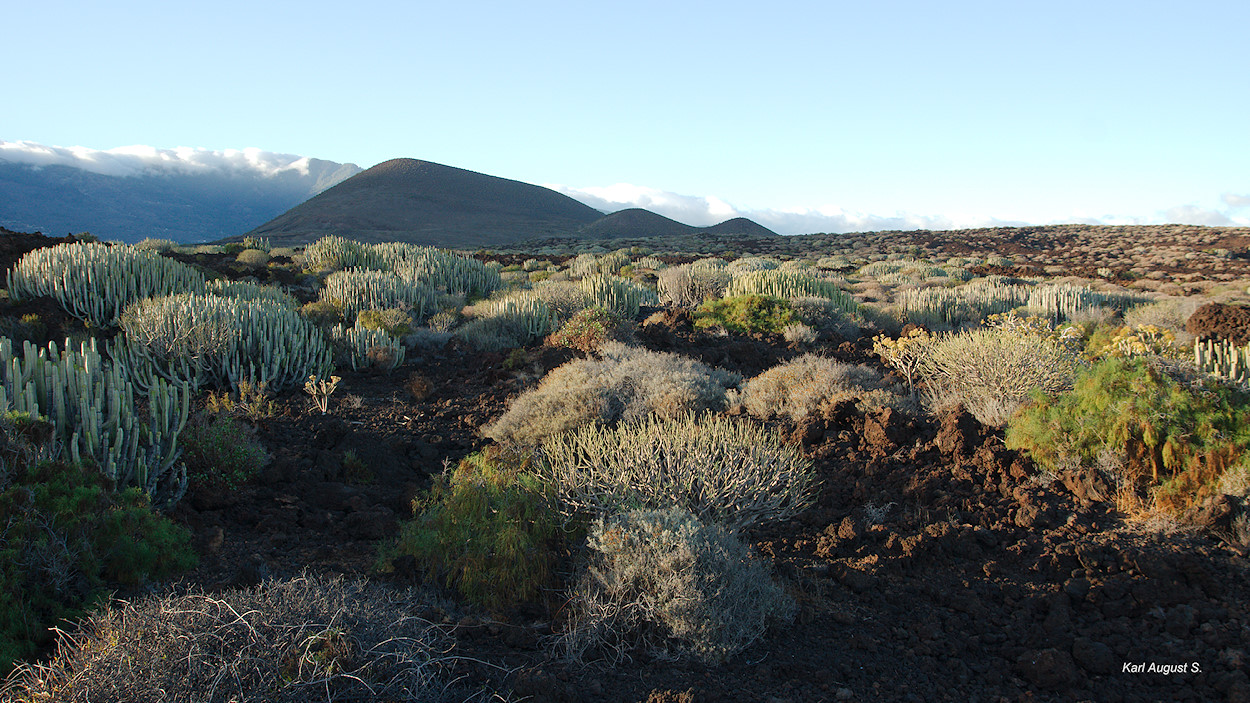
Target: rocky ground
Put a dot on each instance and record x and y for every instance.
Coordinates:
(936, 564)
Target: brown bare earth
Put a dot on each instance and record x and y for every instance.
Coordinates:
(935, 566)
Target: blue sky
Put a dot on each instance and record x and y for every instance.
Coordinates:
(809, 116)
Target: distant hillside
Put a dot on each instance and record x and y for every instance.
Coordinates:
(185, 207)
(633, 222)
(740, 226)
(427, 203)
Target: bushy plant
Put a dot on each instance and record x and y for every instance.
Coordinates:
(253, 258)
(221, 450)
(993, 371)
(1178, 435)
(624, 383)
(663, 581)
(732, 472)
(393, 321)
(824, 315)
(486, 529)
(746, 314)
(806, 385)
(286, 641)
(587, 330)
(323, 313)
(65, 539)
(692, 284)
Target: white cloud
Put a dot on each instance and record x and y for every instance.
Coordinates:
(140, 160)
(703, 211)
(1234, 200)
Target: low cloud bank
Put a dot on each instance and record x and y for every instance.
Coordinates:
(147, 160)
(702, 211)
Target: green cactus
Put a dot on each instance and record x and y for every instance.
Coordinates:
(1223, 358)
(362, 347)
(95, 282)
(91, 404)
(618, 295)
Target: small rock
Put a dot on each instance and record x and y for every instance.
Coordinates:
(1094, 657)
(1048, 668)
(1179, 621)
(844, 694)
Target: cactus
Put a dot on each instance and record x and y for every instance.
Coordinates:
(357, 289)
(91, 404)
(788, 285)
(95, 282)
(618, 295)
(335, 253)
(523, 308)
(1223, 358)
(218, 342)
(362, 347)
(246, 290)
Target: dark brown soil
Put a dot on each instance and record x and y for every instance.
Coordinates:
(1217, 321)
(936, 565)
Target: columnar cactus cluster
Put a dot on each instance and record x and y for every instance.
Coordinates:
(1223, 358)
(618, 295)
(523, 308)
(95, 282)
(789, 284)
(354, 290)
(91, 404)
(205, 340)
(365, 348)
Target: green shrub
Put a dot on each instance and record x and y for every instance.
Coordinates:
(732, 472)
(662, 580)
(394, 321)
(323, 313)
(253, 258)
(486, 529)
(220, 450)
(746, 314)
(806, 386)
(588, 329)
(1177, 435)
(625, 383)
(66, 539)
(290, 641)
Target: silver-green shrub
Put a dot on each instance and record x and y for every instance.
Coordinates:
(806, 386)
(664, 581)
(625, 383)
(91, 404)
(506, 322)
(205, 340)
(725, 470)
(95, 282)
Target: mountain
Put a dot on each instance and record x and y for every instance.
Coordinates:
(422, 202)
(740, 226)
(160, 196)
(632, 223)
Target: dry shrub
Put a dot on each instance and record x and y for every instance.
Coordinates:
(666, 583)
(253, 258)
(625, 383)
(993, 371)
(418, 386)
(303, 639)
(726, 470)
(1170, 314)
(806, 385)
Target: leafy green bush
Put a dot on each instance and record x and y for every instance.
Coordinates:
(1178, 436)
(65, 539)
(587, 330)
(485, 529)
(725, 470)
(662, 580)
(746, 314)
(625, 383)
(221, 450)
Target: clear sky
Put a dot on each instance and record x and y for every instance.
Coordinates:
(833, 114)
